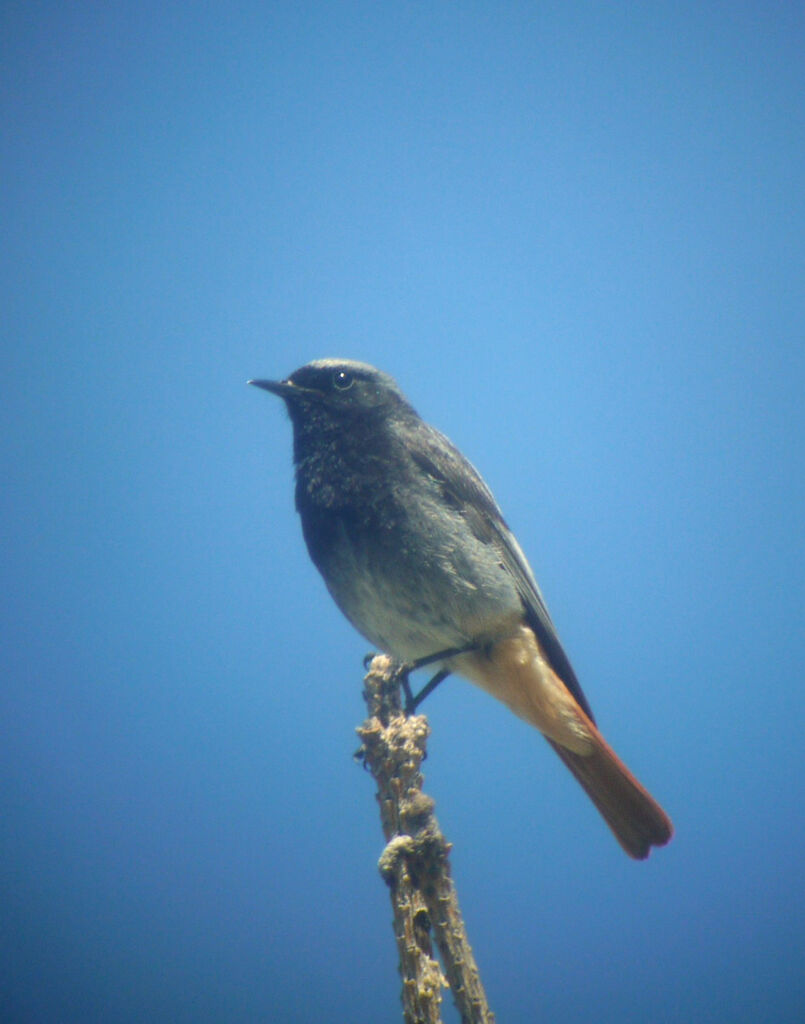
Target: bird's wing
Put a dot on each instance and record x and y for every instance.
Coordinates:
(464, 490)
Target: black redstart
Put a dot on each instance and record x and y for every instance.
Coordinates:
(415, 552)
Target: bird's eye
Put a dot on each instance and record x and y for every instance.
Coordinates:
(343, 380)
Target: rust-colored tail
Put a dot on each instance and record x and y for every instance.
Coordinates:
(632, 813)
(516, 671)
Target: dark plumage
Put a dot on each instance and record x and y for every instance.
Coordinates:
(416, 553)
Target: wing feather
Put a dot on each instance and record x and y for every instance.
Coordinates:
(463, 488)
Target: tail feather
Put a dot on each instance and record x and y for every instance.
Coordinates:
(516, 671)
(636, 819)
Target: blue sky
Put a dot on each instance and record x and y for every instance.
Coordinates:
(574, 233)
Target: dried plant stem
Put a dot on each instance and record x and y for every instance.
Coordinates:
(415, 862)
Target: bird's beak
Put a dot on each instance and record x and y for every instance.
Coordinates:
(283, 388)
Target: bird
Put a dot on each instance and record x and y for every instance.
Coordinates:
(415, 551)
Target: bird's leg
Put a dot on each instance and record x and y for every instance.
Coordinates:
(412, 701)
(406, 688)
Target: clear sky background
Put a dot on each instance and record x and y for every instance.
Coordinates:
(575, 234)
